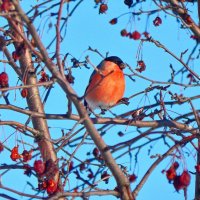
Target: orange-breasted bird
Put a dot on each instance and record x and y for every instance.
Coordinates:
(107, 84)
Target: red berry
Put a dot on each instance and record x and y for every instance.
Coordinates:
(135, 35)
(71, 166)
(24, 92)
(44, 77)
(175, 165)
(95, 152)
(105, 176)
(185, 178)
(132, 178)
(6, 5)
(141, 65)
(146, 34)
(51, 186)
(82, 166)
(70, 78)
(15, 56)
(1, 147)
(157, 21)
(197, 167)
(27, 155)
(120, 133)
(194, 37)
(171, 174)
(39, 167)
(15, 154)
(113, 21)
(124, 33)
(28, 170)
(103, 8)
(177, 184)
(42, 185)
(3, 80)
(90, 175)
(188, 19)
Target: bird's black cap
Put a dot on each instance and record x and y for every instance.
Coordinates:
(116, 60)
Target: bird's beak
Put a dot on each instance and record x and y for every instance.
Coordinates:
(122, 66)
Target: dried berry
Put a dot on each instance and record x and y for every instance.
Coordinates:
(141, 65)
(27, 155)
(90, 175)
(128, 3)
(39, 166)
(105, 176)
(44, 77)
(28, 170)
(146, 34)
(124, 33)
(113, 21)
(71, 166)
(157, 21)
(82, 166)
(70, 78)
(95, 152)
(120, 133)
(103, 8)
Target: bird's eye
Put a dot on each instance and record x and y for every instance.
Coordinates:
(122, 66)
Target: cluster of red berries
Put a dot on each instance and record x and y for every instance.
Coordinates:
(44, 77)
(135, 35)
(4, 80)
(6, 5)
(179, 181)
(49, 185)
(39, 166)
(15, 155)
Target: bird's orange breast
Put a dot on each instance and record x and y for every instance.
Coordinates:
(107, 89)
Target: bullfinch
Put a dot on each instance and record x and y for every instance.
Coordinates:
(106, 85)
